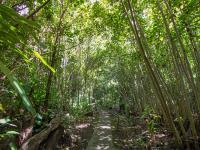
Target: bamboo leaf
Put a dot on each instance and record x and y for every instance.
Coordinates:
(43, 61)
(12, 146)
(24, 56)
(4, 120)
(12, 133)
(15, 83)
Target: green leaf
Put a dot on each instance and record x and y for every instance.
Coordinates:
(4, 120)
(15, 83)
(24, 56)
(12, 146)
(43, 61)
(12, 133)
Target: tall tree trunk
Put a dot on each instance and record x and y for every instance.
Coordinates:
(134, 25)
(53, 60)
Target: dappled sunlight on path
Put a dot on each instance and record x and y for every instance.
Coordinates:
(102, 137)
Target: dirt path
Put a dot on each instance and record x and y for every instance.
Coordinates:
(102, 137)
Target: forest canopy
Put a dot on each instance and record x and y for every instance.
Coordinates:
(140, 57)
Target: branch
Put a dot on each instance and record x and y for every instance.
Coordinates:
(20, 3)
(38, 9)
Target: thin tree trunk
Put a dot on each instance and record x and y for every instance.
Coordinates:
(154, 79)
(53, 60)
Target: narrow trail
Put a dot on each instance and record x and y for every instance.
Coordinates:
(102, 136)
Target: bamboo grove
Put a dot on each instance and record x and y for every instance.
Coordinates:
(59, 55)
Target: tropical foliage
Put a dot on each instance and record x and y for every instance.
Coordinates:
(63, 56)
